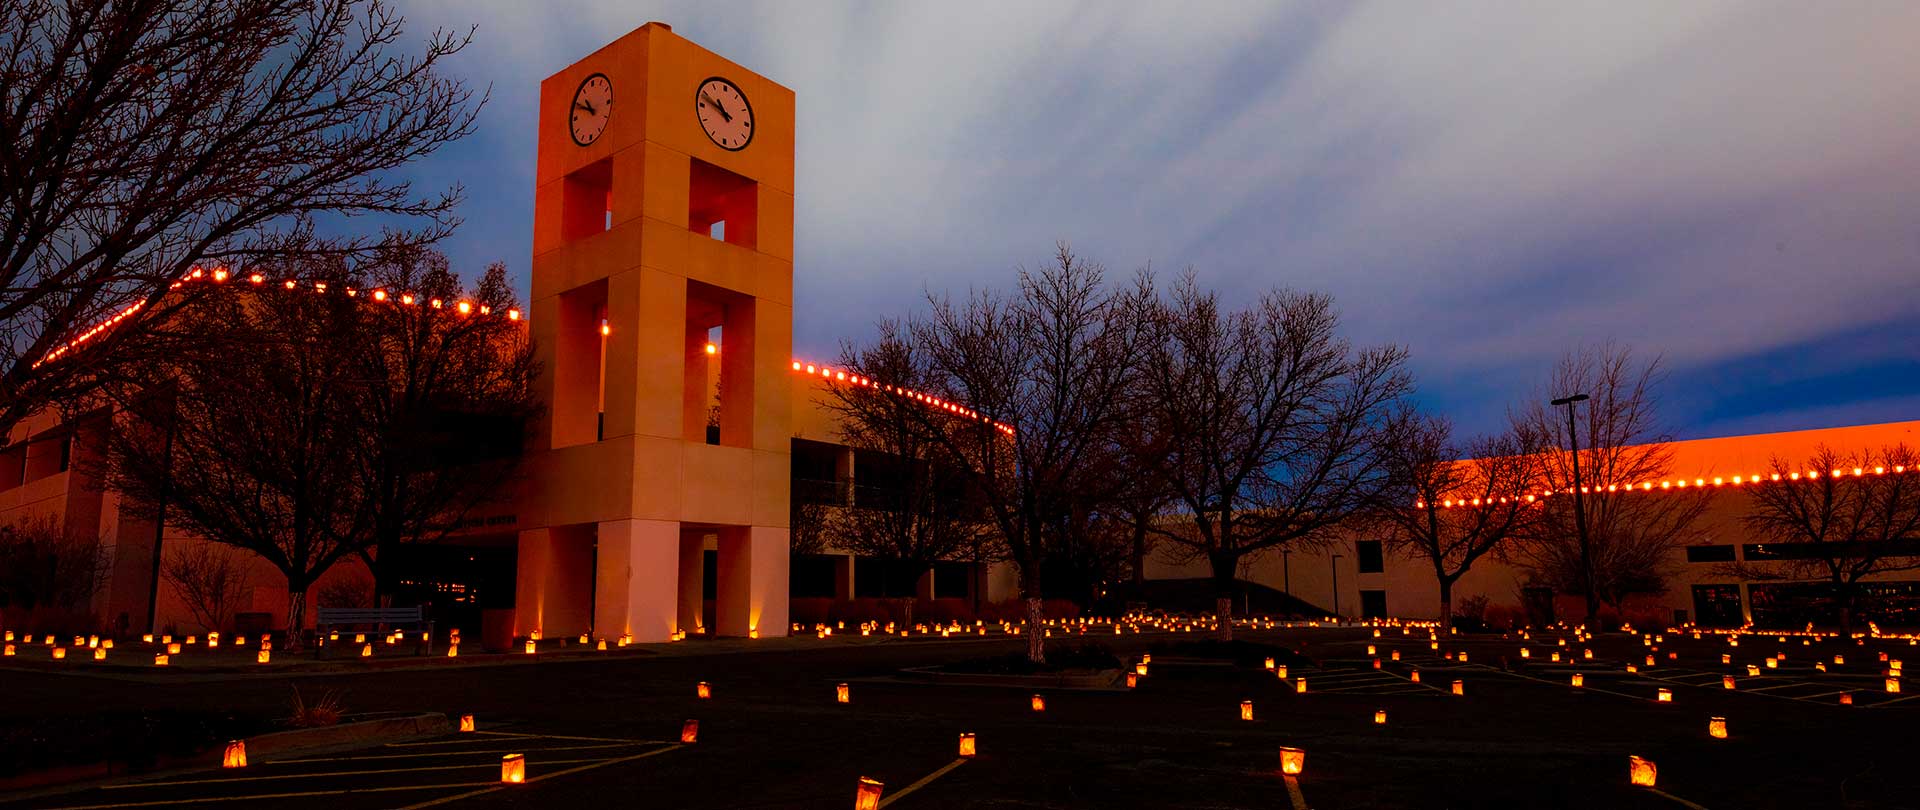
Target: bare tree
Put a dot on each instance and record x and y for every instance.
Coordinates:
(1266, 426)
(44, 566)
(920, 511)
(1838, 518)
(146, 137)
(243, 437)
(445, 393)
(210, 579)
(1631, 532)
(1455, 503)
(1043, 374)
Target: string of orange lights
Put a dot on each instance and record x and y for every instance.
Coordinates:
(841, 376)
(220, 275)
(1680, 483)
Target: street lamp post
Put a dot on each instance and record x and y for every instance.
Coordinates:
(1335, 561)
(1579, 509)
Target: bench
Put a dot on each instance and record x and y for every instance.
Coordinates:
(374, 617)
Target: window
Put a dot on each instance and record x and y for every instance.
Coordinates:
(1367, 554)
(1373, 604)
(1703, 554)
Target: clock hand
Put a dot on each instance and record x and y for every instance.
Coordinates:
(586, 106)
(716, 105)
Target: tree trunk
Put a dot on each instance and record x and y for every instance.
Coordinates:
(1846, 610)
(1446, 603)
(1036, 613)
(1036, 635)
(1139, 558)
(296, 617)
(1223, 583)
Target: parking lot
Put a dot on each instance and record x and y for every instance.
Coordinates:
(606, 733)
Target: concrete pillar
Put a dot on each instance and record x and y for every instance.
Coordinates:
(636, 584)
(692, 602)
(551, 581)
(753, 581)
(843, 474)
(923, 587)
(843, 576)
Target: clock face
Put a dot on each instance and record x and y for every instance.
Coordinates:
(724, 113)
(592, 106)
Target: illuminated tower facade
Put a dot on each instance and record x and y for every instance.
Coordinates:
(663, 312)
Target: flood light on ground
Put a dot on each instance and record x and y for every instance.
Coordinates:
(1292, 761)
(1642, 772)
(513, 769)
(867, 796)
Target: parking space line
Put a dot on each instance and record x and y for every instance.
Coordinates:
(924, 781)
(520, 750)
(567, 737)
(472, 793)
(1676, 799)
(1294, 796)
(325, 774)
(258, 796)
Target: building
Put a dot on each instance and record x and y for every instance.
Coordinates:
(657, 493)
(1358, 577)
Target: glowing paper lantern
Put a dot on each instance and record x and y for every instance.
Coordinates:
(966, 744)
(1280, 671)
(1379, 717)
(1526, 653)
(1753, 670)
(1846, 698)
(1300, 686)
(160, 660)
(235, 756)
(1292, 761)
(513, 769)
(466, 723)
(842, 693)
(1270, 665)
(453, 651)
(1039, 703)
(1132, 680)
(366, 651)
(7, 651)
(1893, 686)
(1717, 728)
(1459, 687)
(867, 796)
(1726, 681)
(59, 653)
(530, 647)
(1641, 772)
(1579, 679)
(1139, 669)
(703, 691)
(1414, 676)
(1246, 710)
(690, 732)
(1664, 696)
(173, 648)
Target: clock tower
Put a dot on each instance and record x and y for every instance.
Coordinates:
(662, 311)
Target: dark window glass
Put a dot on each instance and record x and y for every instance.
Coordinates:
(1700, 554)
(1373, 604)
(1367, 554)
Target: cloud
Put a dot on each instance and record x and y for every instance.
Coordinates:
(1489, 183)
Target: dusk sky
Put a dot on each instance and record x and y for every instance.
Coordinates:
(1734, 186)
